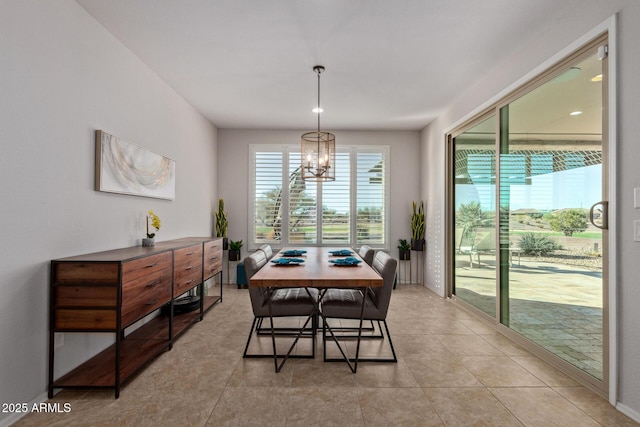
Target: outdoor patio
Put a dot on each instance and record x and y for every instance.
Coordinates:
(555, 305)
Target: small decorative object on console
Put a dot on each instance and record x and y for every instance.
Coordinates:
(155, 223)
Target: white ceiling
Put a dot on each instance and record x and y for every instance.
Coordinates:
(389, 64)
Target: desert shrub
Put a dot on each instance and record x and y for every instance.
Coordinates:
(538, 244)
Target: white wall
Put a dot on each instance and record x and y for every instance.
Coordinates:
(62, 76)
(546, 41)
(233, 173)
(433, 154)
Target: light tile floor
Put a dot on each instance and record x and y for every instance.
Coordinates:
(452, 370)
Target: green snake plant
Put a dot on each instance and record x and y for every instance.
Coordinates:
(417, 221)
(221, 220)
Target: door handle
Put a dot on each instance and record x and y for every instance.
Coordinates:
(604, 215)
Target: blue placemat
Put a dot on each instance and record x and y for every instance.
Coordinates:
(341, 252)
(294, 252)
(287, 261)
(349, 261)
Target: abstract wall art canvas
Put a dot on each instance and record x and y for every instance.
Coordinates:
(127, 168)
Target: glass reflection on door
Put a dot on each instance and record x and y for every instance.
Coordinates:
(474, 194)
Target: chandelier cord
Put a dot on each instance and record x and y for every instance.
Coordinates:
(318, 99)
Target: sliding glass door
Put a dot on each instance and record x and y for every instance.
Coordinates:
(551, 175)
(474, 192)
(529, 189)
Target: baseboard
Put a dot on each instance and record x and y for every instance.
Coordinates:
(631, 413)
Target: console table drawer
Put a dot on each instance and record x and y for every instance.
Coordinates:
(146, 286)
(139, 269)
(85, 320)
(212, 258)
(187, 269)
(141, 297)
(86, 296)
(85, 273)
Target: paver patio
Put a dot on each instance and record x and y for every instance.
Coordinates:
(557, 306)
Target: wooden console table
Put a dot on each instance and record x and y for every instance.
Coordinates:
(110, 291)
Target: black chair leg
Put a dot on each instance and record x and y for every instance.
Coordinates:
(253, 325)
(314, 334)
(324, 340)
(393, 351)
(360, 359)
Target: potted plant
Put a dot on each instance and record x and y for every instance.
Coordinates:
(235, 250)
(155, 223)
(417, 227)
(404, 250)
(222, 224)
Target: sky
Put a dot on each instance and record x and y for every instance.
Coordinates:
(573, 188)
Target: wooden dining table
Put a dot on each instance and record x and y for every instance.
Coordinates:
(317, 271)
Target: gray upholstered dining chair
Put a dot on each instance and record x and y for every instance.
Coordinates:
(347, 304)
(366, 252)
(285, 302)
(268, 252)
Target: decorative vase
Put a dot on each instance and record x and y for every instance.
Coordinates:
(148, 241)
(405, 254)
(234, 255)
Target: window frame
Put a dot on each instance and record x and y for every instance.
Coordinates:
(285, 150)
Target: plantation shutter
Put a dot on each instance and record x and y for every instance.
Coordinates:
(268, 197)
(350, 211)
(303, 212)
(371, 198)
(336, 204)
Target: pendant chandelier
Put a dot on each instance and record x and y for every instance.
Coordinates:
(318, 149)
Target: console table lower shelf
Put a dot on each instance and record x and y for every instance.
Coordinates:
(137, 349)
